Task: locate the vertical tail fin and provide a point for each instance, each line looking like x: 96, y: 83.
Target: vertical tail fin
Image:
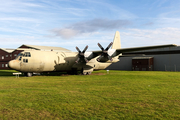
x: 117, y: 41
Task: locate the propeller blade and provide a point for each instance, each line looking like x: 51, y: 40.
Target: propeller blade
x: 86, y: 60
x: 78, y: 49
x: 85, y: 49
x: 100, y: 46
x: 109, y: 46
x: 110, y: 58
x: 99, y: 58
x: 77, y: 60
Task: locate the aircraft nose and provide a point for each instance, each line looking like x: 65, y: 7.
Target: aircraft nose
x: 14, y: 64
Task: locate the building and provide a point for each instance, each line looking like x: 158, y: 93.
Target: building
x: 164, y: 59
x: 6, y: 55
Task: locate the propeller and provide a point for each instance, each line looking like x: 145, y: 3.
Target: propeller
x: 104, y: 52
x: 81, y: 56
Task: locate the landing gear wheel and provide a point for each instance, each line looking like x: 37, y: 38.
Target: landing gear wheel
x: 84, y: 73
x: 88, y: 73
x: 25, y: 74
x: 28, y: 74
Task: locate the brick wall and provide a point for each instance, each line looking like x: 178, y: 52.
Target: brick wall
x: 5, y: 57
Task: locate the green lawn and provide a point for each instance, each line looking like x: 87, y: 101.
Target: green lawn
x: 117, y: 95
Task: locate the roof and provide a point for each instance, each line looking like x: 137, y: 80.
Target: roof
x: 142, y: 57
x: 161, y: 49
x: 7, y: 50
x: 24, y: 49
x: 47, y: 48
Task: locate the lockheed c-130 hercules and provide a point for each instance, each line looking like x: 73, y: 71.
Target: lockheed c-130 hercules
x: 37, y: 61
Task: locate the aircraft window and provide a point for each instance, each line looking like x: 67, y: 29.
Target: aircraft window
x: 20, y: 54
x: 20, y: 58
x: 25, y: 60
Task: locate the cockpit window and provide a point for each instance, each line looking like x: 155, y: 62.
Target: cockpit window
x: 27, y: 54
x: 20, y: 54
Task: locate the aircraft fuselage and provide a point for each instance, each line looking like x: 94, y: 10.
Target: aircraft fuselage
x: 47, y: 61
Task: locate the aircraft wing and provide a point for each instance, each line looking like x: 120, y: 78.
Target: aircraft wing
x: 115, y: 52
x: 122, y: 50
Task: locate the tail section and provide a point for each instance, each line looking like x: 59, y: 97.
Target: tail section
x: 117, y: 41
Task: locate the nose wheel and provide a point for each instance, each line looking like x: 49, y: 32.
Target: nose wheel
x: 85, y: 72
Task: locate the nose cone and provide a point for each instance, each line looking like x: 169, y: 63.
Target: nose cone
x: 14, y: 64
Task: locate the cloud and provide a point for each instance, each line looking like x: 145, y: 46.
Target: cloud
x: 148, y: 24
x: 15, y: 6
x: 168, y: 33
x: 90, y: 26
x: 18, y: 19
x: 65, y: 33
x: 158, y: 36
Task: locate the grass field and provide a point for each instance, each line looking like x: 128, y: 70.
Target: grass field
x: 117, y: 95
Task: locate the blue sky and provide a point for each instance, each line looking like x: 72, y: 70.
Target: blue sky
x: 71, y: 23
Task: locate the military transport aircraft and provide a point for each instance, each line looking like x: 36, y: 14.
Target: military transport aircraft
x: 37, y: 61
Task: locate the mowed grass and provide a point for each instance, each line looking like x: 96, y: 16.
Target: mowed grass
x: 117, y: 95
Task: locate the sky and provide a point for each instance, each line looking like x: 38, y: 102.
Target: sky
x: 71, y: 23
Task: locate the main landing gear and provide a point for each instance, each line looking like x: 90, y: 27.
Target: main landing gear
x: 29, y: 74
